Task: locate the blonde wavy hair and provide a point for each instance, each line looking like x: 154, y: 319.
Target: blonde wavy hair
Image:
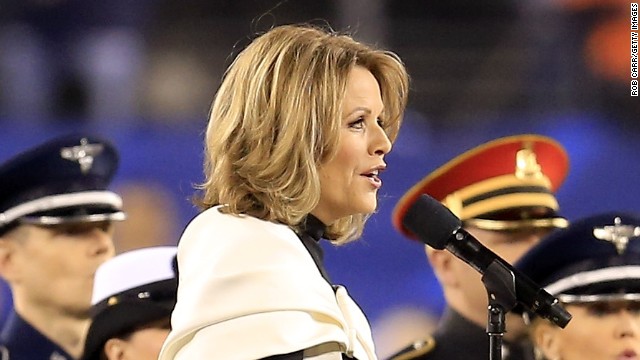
x: 275, y: 119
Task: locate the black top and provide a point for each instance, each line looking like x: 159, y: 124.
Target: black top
x: 312, y: 231
x: 458, y: 338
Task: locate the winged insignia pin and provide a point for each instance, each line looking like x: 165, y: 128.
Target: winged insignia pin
x: 83, y: 154
x: 617, y: 234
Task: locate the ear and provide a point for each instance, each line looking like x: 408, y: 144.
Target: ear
x: 7, y: 252
x: 114, y: 349
x: 442, y: 263
x: 545, y: 338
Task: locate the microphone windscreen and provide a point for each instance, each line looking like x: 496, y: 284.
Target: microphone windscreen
x: 431, y: 221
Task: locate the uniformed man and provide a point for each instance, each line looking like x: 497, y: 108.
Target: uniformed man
x: 503, y: 191
x: 593, y: 268
x: 133, y: 296
x: 56, y: 228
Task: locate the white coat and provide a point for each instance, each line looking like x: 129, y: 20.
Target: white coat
x: 249, y: 289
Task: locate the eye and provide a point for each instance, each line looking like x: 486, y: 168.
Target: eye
x: 381, y: 123
x: 72, y: 229
x: 357, y: 124
x: 634, y: 307
x: 80, y: 229
x: 600, y: 309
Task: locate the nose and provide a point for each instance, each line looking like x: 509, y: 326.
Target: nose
x: 380, y: 144
x: 628, y: 325
x: 533, y: 238
x: 530, y: 237
x: 102, y: 243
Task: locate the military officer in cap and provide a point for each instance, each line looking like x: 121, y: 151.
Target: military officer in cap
x: 133, y: 296
x: 503, y: 191
x: 593, y: 268
x: 56, y: 228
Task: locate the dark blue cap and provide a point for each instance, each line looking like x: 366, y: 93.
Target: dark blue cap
x: 61, y: 181
x: 596, y: 258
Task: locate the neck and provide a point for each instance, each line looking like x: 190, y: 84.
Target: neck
x: 465, y: 309
x: 515, y: 326
x: 325, y: 217
x: 66, y: 330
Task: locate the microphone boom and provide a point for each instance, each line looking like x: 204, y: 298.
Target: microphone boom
x: 439, y: 228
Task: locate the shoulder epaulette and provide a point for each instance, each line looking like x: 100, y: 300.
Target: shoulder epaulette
x: 418, y: 348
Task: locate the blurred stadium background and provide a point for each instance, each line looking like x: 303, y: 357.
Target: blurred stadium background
x: 142, y: 73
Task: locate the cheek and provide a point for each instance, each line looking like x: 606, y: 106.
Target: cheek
x: 511, y: 252
x: 149, y: 341
x: 35, y: 262
x: 583, y: 335
x: 469, y: 277
x: 583, y: 325
x: 346, y: 163
x: 340, y: 168
x: 350, y: 149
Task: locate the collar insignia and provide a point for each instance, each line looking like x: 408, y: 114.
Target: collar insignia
x: 617, y: 234
x: 57, y: 356
x: 83, y: 154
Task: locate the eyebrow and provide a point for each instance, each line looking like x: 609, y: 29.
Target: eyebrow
x: 365, y: 109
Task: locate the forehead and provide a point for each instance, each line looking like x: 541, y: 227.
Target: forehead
x: 606, y: 304
x: 79, y: 225
x: 362, y: 90
x: 37, y: 231
x: 361, y: 79
x: 506, y: 235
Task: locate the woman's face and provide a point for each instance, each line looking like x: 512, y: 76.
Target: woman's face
x: 143, y: 343
x: 604, y: 330
x: 350, y: 180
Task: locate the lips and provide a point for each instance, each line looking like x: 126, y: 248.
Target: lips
x: 627, y: 355
x: 374, y: 171
x: 375, y: 182
x: 373, y: 176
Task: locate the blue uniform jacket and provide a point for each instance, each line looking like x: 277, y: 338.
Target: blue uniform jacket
x: 20, y: 341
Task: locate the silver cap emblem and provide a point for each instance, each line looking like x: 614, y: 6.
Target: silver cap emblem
x: 83, y: 154
x: 617, y: 234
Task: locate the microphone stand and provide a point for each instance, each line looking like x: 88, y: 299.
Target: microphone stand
x: 501, y: 289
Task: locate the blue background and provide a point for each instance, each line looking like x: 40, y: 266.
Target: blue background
x: 384, y: 270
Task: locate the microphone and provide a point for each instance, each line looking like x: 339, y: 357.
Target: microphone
x: 435, y: 225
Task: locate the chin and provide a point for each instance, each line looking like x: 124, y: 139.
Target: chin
x: 366, y: 208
